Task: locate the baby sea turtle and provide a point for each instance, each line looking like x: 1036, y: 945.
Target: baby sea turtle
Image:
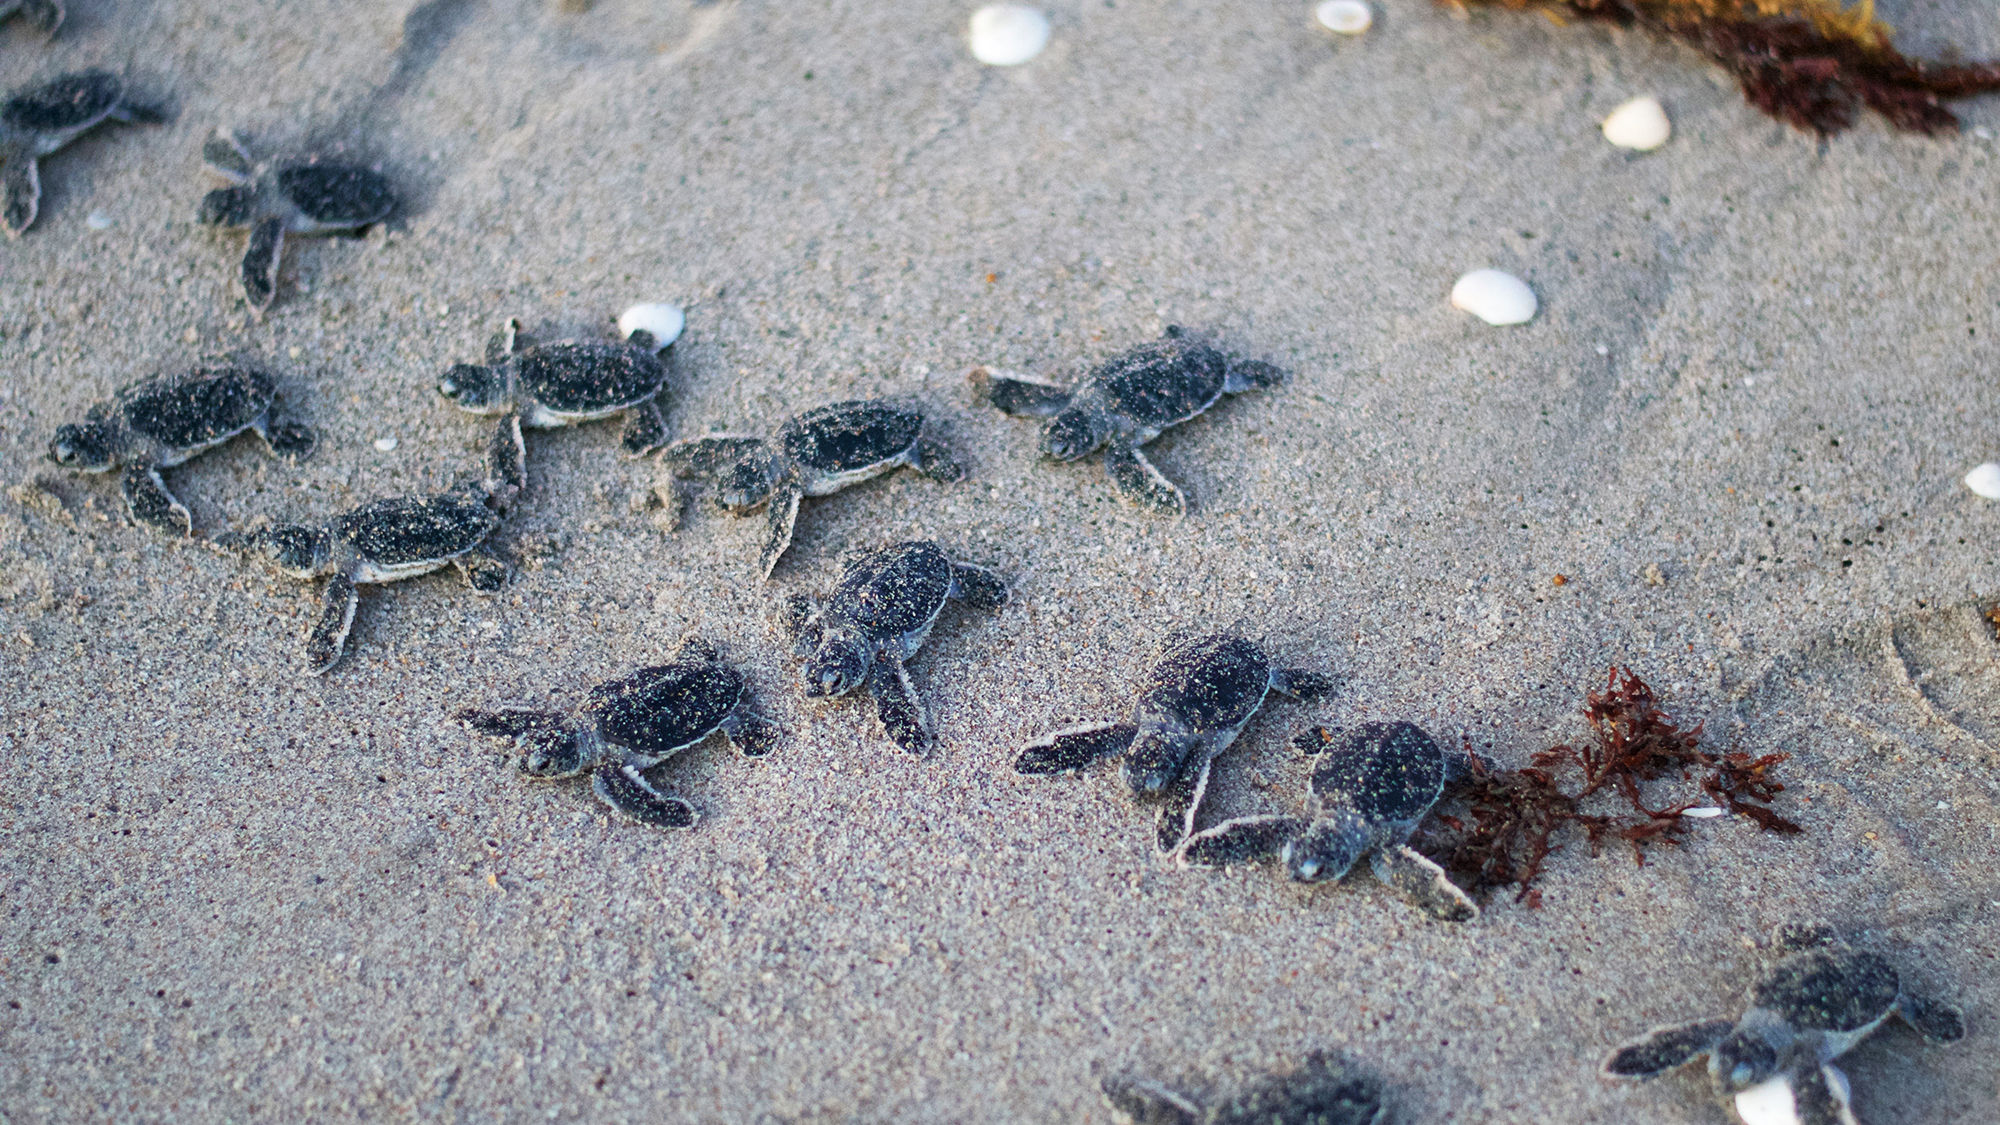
x: 1775, y: 1061
x: 629, y: 725
x: 1125, y: 403
x: 297, y: 197
x: 1323, y: 1091
x: 1375, y: 784
x: 390, y: 540
x: 1194, y: 703
x: 42, y: 119
x: 158, y: 423
x: 44, y: 14
x: 875, y: 620
x: 548, y: 385
x: 819, y: 452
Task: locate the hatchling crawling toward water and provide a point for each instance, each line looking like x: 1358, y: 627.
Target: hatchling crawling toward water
x: 390, y: 540
x: 1125, y: 402
x: 1321, y: 1092
x: 544, y: 386
x: 1774, y: 1063
x: 161, y: 422
x: 1195, y: 701
x: 39, y: 120
x: 307, y: 197
x: 46, y: 15
x: 627, y: 726
x: 878, y: 615
x: 816, y: 453
x: 1376, y: 782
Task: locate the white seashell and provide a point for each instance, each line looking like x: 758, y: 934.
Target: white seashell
x: 1008, y: 34
x: 1768, y: 1103
x: 663, y: 321
x: 385, y: 444
x: 97, y: 220
x: 1984, y: 481
x: 1703, y: 812
x: 1638, y: 124
x: 1348, y: 17
x: 1495, y: 297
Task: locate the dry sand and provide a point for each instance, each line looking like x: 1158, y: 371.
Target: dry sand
x: 230, y: 893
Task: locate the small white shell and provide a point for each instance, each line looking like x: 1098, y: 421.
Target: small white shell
x: 1495, y: 297
x: 1347, y: 17
x: 1703, y: 812
x: 1638, y: 124
x: 385, y: 445
x: 1984, y: 481
x: 663, y: 321
x: 1768, y: 1103
x: 1008, y: 34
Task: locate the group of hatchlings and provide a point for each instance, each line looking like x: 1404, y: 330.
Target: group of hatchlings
x: 1373, y: 783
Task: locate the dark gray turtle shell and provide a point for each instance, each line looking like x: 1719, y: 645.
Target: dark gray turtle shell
x: 895, y: 590
x: 1209, y: 683
x: 1163, y: 381
x: 337, y: 195
x: 587, y: 377
x: 1829, y: 990
x: 1384, y: 771
x: 417, y: 529
x: 846, y: 437
x: 72, y: 101
x: 662, y: 708
x: 199, y: 408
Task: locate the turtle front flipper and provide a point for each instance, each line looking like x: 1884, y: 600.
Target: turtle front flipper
x: 896, y: 702
x: 977, y: 586
x: 801, y: 623
x: 624, y: 788
x: 1665, y: 1049
x: 149, y: 502
x: 1015, y: 394
x: 781, y: 514
x: 1179, y: 807
x: 328, y: 638
x: 1140, y: 1101
x: 1073, y: 748
x: 260, y: 263
x: 1934, y: 1020
x: 503, y: 343
x: 23, y: 188
x: 1138, y: 481
x: 1808, y: 1093
x: 506, y: 462
x: 226, y: 157
x: 1246, y: 839
x: 935, y: 462
x: 1301, y: 684
x: 482, y: 570
x: 645, y: 429
x: 753, y: 734
x: 1424, y: 883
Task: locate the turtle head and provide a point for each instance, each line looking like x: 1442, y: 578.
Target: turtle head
x: 554, y: 752
x: 301, y: 552
x: 471, y: 387
x: 1328, y: 849
x: 91, y: 446
x: 1745, y: 1058
x: 226, y: 207
x: 1074, y: 433
x: 837, y: 666
x: 1153, y: 762
x: 748, y: 482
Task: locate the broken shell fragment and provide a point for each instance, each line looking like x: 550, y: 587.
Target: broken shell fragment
x: 663, y: 321
x: 1640, y: 124
x: 1345, y: 17
x: 1984, y: 481
x: 1495, y: 297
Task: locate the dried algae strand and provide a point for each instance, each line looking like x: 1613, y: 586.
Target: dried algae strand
x: 1809, y: 63
x: 1511, y: 820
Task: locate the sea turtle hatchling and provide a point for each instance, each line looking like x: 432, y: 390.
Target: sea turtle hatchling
x: 1774, y: 1063
x: 1375, y: 783
x: 627, y: 726
x: 1323, y: 1091
x: 310, y: 197
x: 161, y: 422
x: 44, y: 14
x: 1125, y: 402
x: 389, y: 540
x: 544, y: 386
x: 877, y: 617
x: 39, y: 120
x: 816, y: 453
x: 1195, y: 701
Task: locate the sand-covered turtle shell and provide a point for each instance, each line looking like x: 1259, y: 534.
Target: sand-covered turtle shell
x: 1384, y: 771
x: 1210, y: 683
x: 337, y: 195
x: 1829, y: 990
x: 588, y: 377
x: 662, y: 708
x: 196, y: 409
x: 1161, y: 382
x: 894, y: 591
x: 70, y: 102
x: 846, y: 437
x: 416, y: 529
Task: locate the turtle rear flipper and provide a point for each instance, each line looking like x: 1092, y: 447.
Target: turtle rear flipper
x: 1018, y: 395
x: 328, y: 638
x: 703, y: 458
x: 781, y: 515
x: 935, y: 462
x: 1934, y: 1020
x: 753, y: 734
x: 1246, y: 839
x: 22, y: 185
x: 1073, y: 748
x: 1139, y: 1102
x: 260, y: 263
x: 1179, y: 807
x: 149, y: 502
x: 1806, y: 1093
x: 896, y: 702
x: 292, y: 440
x: 482, y: 570
x: 508, y: 722
x: 1665, y: 1049
x: 625, y: 789
x: 46, y: 15
x: 1139, y: 482
x: 1252, y: 375
x: 1300, y: 683
x: 977, y: 586
x: 1422, y: 882
x: 645, y: 429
